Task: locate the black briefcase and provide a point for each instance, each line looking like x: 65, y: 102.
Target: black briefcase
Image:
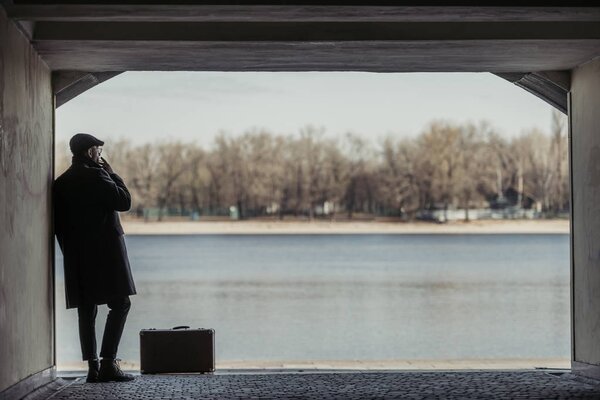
x: 180, y: 349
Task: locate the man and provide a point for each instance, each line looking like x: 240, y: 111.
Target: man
x: 86, y: 200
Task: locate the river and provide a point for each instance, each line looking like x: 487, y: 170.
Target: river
x: 347, y: 297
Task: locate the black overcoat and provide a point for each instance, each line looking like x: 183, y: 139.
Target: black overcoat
x: 89, y: 232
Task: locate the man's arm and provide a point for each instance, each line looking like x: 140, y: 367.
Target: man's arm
x: 125, y: 196
x: 113, y: 191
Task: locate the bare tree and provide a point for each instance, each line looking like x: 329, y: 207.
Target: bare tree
x: 446, y: 166
x: 360, y: 191
x: 440, y: 145
x: 142, y: 167
x: 398, y: 177
x: 559, y: 186
x: 172, y: 162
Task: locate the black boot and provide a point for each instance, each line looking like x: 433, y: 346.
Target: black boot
x: 93, y: 369
x: 111, y: 372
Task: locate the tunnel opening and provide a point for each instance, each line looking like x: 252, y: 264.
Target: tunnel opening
x: 396, y: 303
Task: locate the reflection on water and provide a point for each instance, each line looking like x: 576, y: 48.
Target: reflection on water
x: 349, y: 297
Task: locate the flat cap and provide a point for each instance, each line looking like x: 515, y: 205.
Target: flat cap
x: 83, y: 141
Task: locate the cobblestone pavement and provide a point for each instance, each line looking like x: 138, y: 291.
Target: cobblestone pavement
x: 342, y: 385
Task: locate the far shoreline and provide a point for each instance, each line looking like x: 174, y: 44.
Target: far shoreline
x: 316, y: 227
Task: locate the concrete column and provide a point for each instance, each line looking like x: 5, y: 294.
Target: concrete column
x: 26, y: 280
x: 585, y: 173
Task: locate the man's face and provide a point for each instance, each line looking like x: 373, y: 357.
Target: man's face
x: 94, y: 153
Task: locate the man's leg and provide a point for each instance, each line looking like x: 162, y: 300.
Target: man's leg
x: 87, y: 330
x: 115, y: 322
x: 87, y: 337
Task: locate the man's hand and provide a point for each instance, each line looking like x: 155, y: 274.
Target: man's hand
x: 106, y: 166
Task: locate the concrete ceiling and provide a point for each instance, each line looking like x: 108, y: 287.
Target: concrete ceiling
x: 297, y: 36
x: 87, y: 42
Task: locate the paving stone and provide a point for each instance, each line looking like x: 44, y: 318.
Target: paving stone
x: 340, y: 385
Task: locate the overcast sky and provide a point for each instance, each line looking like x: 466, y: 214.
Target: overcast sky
x: 194, y: 106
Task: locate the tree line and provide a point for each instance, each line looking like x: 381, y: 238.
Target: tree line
x: 447, y: 166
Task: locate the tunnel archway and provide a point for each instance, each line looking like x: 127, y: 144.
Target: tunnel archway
x: 67, y: 48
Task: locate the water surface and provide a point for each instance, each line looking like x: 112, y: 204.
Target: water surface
x: 348, y: 297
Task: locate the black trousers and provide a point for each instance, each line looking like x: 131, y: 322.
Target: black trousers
x: 115, y: 322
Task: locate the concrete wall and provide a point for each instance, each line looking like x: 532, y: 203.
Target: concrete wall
x: 585, y: 159
x: 26, y: 143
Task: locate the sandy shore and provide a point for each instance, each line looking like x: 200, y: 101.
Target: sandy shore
x: 135, y: 227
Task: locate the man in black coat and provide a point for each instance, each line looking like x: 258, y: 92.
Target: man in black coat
x: 86, y: 200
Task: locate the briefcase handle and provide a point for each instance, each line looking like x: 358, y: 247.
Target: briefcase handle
x: 181, y: 327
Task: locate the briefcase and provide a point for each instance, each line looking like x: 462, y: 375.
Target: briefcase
x: 177, y: 350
